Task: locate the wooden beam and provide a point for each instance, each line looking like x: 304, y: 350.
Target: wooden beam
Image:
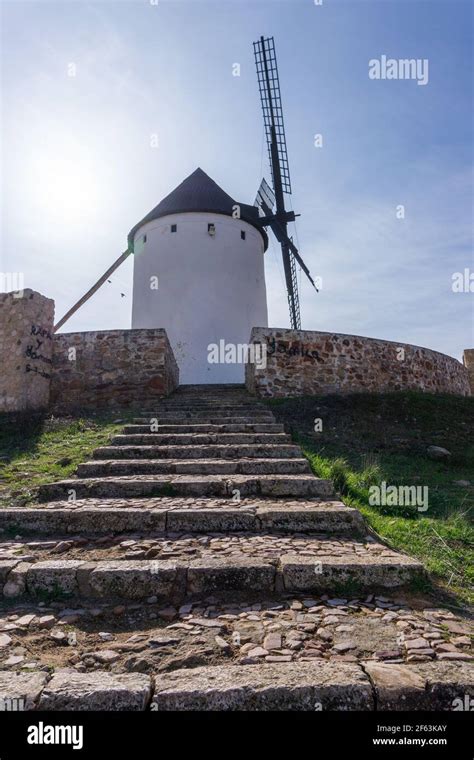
x: 92, y: 290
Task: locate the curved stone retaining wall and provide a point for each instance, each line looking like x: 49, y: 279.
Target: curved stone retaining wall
x: 303, y: 362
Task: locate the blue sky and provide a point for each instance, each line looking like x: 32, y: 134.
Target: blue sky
x: 79, y: 170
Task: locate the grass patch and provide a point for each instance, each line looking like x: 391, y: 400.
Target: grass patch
x: 37, y: 449
x: 367, y: 439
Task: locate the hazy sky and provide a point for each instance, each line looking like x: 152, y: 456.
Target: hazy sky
x: 86, y: 86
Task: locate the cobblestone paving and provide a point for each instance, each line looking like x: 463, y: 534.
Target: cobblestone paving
x: 182, y: 545
x: 151, y: 638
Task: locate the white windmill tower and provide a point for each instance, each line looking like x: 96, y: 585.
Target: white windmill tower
x: 199, y: 274
x: 198, y: 264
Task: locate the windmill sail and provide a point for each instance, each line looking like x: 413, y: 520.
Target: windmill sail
x: 268, y: 198
x: 265, y: 199
x: 269, y: 86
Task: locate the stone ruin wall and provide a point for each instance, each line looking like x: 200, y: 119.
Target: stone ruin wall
x: 303, y: 362
x: 26, y: 347
x: 111, y: 369
x: 468, y: 361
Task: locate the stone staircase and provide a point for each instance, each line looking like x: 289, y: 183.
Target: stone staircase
x: 196, y: 522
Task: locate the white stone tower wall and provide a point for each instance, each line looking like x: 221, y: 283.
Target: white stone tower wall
x: 210, y: 288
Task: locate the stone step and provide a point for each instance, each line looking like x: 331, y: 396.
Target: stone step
x: 99, y: 468
x: 249, y: 564
x: 241, y: 398
x: 212, y: 392
x: 226, y: 399
x: 180, y: 406
x: 298, y: 686
x: 216, y: 393
x: 259, y: 413
x: 225, y: 451
x: 216, y: 406
x: 186, y: 427
x: 205, y: 420
x: 187, y: 439
x: 253, y: 683
x: 236, y: 394
x: 317, y: 685
x: 192, y: 401
x: 71, y: 691
x: 188, y: 485
x: 95, y: 516
x: 290, y: 686
x: 204, y: 388
x: 212, y: 417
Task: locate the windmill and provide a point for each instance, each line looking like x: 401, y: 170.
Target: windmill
x: 271, y: 201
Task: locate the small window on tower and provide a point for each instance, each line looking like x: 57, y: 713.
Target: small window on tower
x: 242, y: 234
x: 174, y: 227
x: 144, y: 238
x: 211, y: 228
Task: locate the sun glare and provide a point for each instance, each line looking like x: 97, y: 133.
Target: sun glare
x: 65, y: 189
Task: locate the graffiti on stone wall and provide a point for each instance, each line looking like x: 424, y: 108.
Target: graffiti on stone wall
x: 293, y: 349
x: 34, y: 351
x: 38, y: 371
x: 37, y: 330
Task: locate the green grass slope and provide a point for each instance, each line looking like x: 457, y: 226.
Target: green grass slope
x: 367, y: 438
x: 36, y: 449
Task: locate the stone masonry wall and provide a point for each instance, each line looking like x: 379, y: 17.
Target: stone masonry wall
x: 468, y: 360
x: 111, y: 369
x: 26, y: 345
x: 302, y: 362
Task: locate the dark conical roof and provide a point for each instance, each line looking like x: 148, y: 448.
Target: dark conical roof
x: 199, y: 192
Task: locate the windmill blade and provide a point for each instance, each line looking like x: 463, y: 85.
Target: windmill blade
x: 278, y: 219
x: 300, y: 261
x: 265, y: 198
x: 282, y: 237
x: 303, y: 266
x: 270, y: 96
x: 291, y: 286
x: 92, y: 290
